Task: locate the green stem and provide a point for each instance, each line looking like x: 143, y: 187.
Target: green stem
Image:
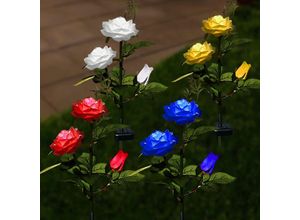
x: 181, y: 204
x: 181, y: 159
x: 91, y: 155
x: 219, y: 58
x: 121, y: 81
x: 181, y: 199
x: 121, y: 103
x: 219, y: 98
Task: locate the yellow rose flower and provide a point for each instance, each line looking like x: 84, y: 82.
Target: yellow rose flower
x: 199, y: 53
x: 217, y: 25
x: 243, y: 70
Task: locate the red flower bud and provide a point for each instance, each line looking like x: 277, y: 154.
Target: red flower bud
x: 66, y: 142
x: 118, y: 161
x: 89, y: 109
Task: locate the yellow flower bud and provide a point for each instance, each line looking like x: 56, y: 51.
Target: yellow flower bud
x: 217, y: 25
x: 199, y: 53
x: 243, y: 70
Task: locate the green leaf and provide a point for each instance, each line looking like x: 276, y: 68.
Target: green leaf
x: 140, y: 44
x: 115, y: 94
x: 85, y: 185
x: 165, y: 172
x: 157, y: 160
x: 209, y: 187
x: 99, y: 71
x: 213, y: 68
x: 175, y: 186
x: 241, y: 41
x: 114, y: 74
x: 131, y: 176
x: 85, y: 79
x: 99, y: 168
x: 49, y: 168
x: 193, y: 133
x: 230, y: 9
x: 158, y: 163
x: 202, y: 130
x: 101, y: 132
x: 174, y: 162
x: 126, y: 90
x: 212, y: 77
x: 74, y: 170
x: 206, y: 177
x: 183, y: 180
x: 227, y: 77
x: 214, y: 91
x: 115, y: 176
x: 252, y: 83
x: 190, y: 170
x: 128, y: 80
x: 155, y: 87
x: 221, y: 178
x: 241, y: 83
x: 182, y: 77
x: 129, y: 48
x: 83, y: 169
x: 66, y: 158
x: 199, y: 68
x: 84, y: 159
x: 226, y: 87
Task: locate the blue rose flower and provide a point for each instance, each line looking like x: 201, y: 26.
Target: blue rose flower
x: 182, y: 111
x: 158, y: 143
x: 209, y: 162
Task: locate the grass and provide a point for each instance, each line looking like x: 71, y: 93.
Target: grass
x: 239, y: 154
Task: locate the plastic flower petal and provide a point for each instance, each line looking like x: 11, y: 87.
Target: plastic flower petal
x: 100, y: 58
x: 209, y: 162
x: 119, y: 29
x: 243, y: 70
x: 66, y: 142
x: 182, y: 112
x: 118, y: 161
x: 217, y: 25
x: 89, y: 109
x: 158, y: 143
x: 144, y: 75
x: 199, y: 53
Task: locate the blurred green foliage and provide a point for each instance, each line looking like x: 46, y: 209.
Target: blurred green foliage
x: 239, y: 154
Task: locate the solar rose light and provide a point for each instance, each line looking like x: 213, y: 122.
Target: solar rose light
x: 115, y: 83
x: 91, y: 176
x: 112, y: 83
x: 167, y: 151
x: 208, y: 72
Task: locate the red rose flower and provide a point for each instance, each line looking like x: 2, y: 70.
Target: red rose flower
x: 118, y: 161
x: 89, y: 109
x: 66, y: 142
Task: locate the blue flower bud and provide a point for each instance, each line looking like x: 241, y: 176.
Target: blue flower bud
x: 182, y: 112
x: 209, y: 162
x: 158, y: 143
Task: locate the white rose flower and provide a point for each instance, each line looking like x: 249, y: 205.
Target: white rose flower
x: 100, y: 58
x: 119, y: 29
x: 144, y: 75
